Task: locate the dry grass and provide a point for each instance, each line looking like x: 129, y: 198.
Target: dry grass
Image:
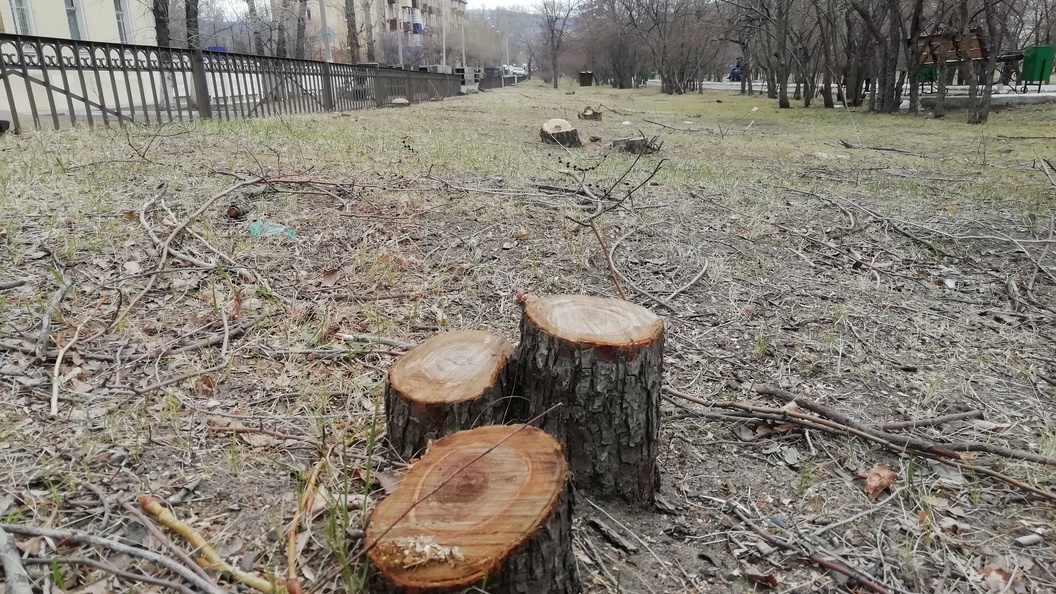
x: 846, y: 274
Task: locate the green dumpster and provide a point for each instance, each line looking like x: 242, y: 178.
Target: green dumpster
x: 1037, y: 64
x: 928, y: 74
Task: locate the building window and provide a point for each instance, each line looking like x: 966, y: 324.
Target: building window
x: 122, y: 21
x: 73, y: 19
x: 23, y: 22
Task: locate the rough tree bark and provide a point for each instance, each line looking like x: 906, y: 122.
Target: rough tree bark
x: 190, y: 12
x: 161, y: 22
x: 601, y: 360
x: 368, y: 26
x: 451, y: 382
x: 352, y: 36
x: 491, y: 507
x: 302, y: 14
x: 254, y: 23
x: 558, y: 131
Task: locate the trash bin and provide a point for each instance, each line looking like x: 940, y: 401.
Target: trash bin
x: 1037, y: 63
x: 586, y: 79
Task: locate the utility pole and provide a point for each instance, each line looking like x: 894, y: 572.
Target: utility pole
x: 399, y: 30
x: 463, y: 25
x: 327, y: 33
x: 443, y: 37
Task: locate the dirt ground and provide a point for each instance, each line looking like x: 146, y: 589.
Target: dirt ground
x: 883, y: 268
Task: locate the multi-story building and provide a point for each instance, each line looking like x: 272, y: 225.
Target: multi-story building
x: 118, y: 21
x: 416, y: 21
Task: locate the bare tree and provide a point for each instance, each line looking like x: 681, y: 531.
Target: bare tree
x: 190, y: 8
x: 161, y: 22
x: 301, y: 39
x: 554, y: 18
x: 368, y: 25
x: 351, y: 31
x: 254, y: 25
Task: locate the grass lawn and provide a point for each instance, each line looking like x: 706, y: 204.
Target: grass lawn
x: 889, y: 268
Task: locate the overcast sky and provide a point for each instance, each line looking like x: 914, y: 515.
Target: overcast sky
x: 474, y: 4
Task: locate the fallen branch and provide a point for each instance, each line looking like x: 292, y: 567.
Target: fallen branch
x: 11, y: 284
x: 883, y: 149
x: 812, y: 422
x: 929, y: 422
x: 860, y: 577
x: 372, y: 339
x: 940, y: 449
x: 608, y: 260
x: 15, y: 574
x: 58, y: 363
x: 268, y: 432
x: 53, y: 304
x: 125, y: 575
x: 153, y: 529
x: 113, y: 545
x: 214, y: 562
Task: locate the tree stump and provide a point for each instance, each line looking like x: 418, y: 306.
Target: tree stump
x: 451, y: 382
x: 488, y: 507
x: 602, y: 360
x: 589, y: 113
x: 638, y: 145
x: 558, y: 131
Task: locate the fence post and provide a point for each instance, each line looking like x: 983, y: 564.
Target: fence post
x: 410, y: 86
x: 201, y: 88
x: 328, y: 88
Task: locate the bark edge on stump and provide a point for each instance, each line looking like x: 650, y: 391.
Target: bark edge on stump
x: 558, y: 131
x: 602, y: 360
x: 502, y: 520
x: 450, y: 382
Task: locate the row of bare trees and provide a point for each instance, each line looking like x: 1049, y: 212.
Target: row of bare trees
x: 848, y: 52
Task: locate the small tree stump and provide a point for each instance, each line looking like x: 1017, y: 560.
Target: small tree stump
x: 489, y: 507
x: 602, y: 359
x: 589, y: 113
x: 638, y: 145
x: 448, y: 383
x: 558, y: 131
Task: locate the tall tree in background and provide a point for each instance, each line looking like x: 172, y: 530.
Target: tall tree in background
x: 161, y: 22
x: 301, y: 39
x: 190, y: 11
x: 554, y: 23
x: 368, y: 26
x: 254, y: 25
x: 352, y: 30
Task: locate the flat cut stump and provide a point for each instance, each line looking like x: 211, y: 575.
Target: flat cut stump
x: 450, y: 382
x: 488, y: 507
x: 602, y: 361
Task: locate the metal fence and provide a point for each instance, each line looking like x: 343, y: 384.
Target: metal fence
x: 498, y: 82
x: 68, y: 81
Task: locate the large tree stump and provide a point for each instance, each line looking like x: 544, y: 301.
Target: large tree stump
x: 602, y: 360
x: 558, y: 131
x: 451, y: 382
x: 488, y: 507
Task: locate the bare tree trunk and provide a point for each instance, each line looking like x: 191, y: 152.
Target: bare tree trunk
x: 368, y: 26
x: 254, y: 23
x: 966, y: 60
x: 912, y: 63
x: 194, y: 40
x: 302, y: 13
x: 942, y: 75
x: 161, y: 22
x: 284, y: 16
x: 352, y: 39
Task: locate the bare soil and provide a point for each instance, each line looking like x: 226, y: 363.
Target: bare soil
x: 231, y: 373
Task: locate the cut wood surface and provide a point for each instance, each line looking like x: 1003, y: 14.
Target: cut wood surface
x: 452, y: 381
x: 602, y: 360
x: 473, y: 513
x: 558, y: 131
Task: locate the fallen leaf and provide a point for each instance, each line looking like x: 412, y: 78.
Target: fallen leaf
x: 203, y: 385
x: 133, y: 267
x: 30, y: 547
x: 330, y: 277
x: 877, y: 480
x: 130, y: 215
x: 767, y: 579
x: 388, y: 481
x: 236, y: 306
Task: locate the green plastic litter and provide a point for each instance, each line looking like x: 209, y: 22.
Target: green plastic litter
x: 267, y: 228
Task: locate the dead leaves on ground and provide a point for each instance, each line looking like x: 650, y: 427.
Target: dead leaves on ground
x: 877, y: 480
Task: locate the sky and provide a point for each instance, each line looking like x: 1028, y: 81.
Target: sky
x: 475, y: 4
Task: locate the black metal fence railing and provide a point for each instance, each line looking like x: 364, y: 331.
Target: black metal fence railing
x: 63, y: 80
x: 497, y: 82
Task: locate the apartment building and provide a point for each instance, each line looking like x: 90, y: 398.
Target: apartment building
x: 117, y: 21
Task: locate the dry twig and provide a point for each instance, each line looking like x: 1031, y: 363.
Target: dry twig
x: 15, y: 574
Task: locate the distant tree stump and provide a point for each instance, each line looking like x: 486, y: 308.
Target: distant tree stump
x: 500, y: 519
x: 589, y: 113
x: 446, y: 384
x: 558, y: 131
x: 639, y: 145
x: 602, y: 359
